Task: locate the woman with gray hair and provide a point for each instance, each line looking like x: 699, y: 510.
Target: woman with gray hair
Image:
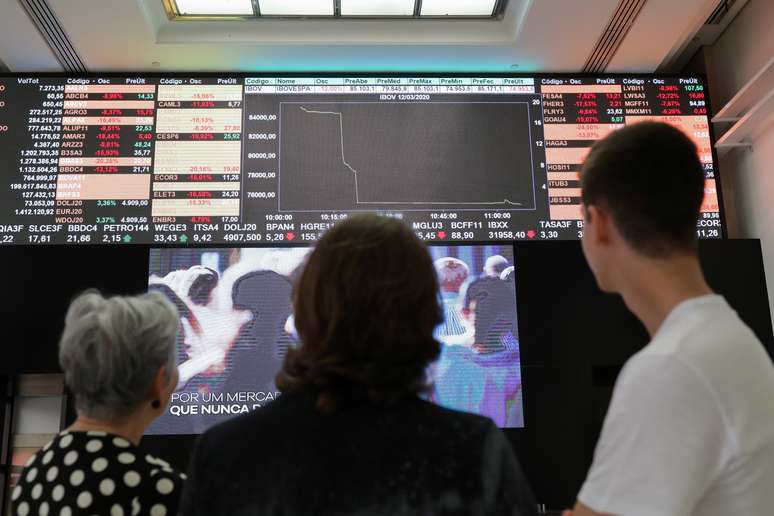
x: 118, y: 356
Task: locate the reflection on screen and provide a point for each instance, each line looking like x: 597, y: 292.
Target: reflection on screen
x: 237, y: 325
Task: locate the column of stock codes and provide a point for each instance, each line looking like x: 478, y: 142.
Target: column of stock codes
x: 239, y: 159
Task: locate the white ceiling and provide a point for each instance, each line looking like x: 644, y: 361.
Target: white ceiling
x: 534, y: 35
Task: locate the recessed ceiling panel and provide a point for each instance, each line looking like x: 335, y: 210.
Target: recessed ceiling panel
x: 214, y: 7
x: 377, y: 7
x: 296, y: 7
x: 102, y: 36
x: 458, y: 7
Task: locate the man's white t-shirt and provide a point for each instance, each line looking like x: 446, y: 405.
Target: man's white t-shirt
x: 690, y: 428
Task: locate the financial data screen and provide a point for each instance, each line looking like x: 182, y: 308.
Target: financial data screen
x: 238, y: 159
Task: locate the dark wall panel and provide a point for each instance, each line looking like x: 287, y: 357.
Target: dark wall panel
x: 574, y: 339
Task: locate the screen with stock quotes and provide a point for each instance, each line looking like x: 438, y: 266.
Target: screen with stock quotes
x: 238, y: 159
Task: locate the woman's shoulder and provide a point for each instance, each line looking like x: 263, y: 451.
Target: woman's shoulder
x: 152, y: 484
x: 99, y: 472
x: 163, y: 486
x: 455, y: 418
x: 159, y: 467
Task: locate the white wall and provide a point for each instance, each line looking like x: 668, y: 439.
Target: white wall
x: 747, y: 175
x: 745, y: 46
x: 37, y: 415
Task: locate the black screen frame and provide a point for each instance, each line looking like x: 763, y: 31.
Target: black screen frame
x: 265, y: 245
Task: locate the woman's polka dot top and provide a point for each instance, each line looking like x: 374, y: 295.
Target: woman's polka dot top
x: 95, y: 473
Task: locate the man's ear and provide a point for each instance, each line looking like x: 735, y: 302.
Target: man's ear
x: 599, y: 223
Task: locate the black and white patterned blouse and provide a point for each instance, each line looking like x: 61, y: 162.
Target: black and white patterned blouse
x: 95, y: 473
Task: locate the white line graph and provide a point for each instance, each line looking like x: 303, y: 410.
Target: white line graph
x: 340, y: 116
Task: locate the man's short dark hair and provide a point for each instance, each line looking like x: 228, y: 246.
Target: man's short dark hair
x: 649, y: 177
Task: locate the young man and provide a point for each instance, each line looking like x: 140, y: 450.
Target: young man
x: 690, y: 428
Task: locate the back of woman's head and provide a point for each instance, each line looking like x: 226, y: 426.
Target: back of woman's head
x: 366, y: 305
x: 112, y: 349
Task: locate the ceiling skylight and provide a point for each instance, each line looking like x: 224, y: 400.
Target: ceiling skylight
x: 458, y: 7
x: 407, y: 9
x: 377, y: 7
x: 296, y: 7
x: 214, y: 8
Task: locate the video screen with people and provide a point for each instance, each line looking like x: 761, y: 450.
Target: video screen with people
x: 479, y: 369
x: 236, y: 321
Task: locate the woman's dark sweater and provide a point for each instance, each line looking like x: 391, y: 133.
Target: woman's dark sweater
x: 408, y: 458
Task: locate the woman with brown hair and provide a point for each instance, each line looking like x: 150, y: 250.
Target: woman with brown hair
x: 350, y: 433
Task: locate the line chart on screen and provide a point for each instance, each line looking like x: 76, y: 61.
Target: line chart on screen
x: 366, y: 156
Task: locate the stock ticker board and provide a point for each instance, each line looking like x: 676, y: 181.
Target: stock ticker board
x: 236, y: 159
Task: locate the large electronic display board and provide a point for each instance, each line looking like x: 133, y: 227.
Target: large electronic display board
x: 235, y: 159
x: 237, y: 324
